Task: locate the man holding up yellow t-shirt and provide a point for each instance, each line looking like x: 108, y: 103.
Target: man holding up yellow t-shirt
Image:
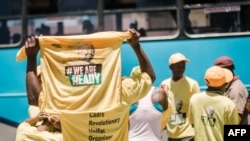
x: 104, y: 113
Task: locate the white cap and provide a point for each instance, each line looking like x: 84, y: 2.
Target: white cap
x: 177, y: 57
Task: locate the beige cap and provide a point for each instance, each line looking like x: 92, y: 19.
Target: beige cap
x: 177, y: 57
x: 216, y: 76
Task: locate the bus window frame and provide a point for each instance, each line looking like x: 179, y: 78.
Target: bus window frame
x: 140, y: 10
x: 212, y: 35
x: 12, y: 44
x: 100, y: 13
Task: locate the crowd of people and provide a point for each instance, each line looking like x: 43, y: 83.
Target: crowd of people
x: 177, y: 110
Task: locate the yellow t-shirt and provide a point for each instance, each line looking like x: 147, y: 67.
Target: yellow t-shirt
x: 33, y: 110
x: 209, y: 112
x: 178, y: 125
x: 26, y: 132
x: 166, y: 114
x: 82, y: 81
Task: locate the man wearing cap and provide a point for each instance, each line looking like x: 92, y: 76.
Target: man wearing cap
x: 181, y: 88
x: 210, y: 110
x: 235, y: 90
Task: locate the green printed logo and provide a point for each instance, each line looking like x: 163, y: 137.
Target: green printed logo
x: 80, y: 75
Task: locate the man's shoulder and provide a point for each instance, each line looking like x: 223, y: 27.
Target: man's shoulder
x: 191, y: 80
x: 238, y: 85
x: 238, y: 82
x: 197, y: 96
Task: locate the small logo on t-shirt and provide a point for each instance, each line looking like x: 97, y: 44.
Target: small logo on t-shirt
x: 178, y: 117
x: 209, y: 119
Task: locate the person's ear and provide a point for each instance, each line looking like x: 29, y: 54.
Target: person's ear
x: 170, y: 66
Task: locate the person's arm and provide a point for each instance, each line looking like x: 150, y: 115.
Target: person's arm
x: 145, y: 64
x: 33, y: 120
x: 163, y: 97
x: 248, y: 106
x: 33, y: 85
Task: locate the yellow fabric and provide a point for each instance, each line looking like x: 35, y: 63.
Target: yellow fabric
x: 166, y: 114
x: 100, y: 96
x: 101, y: 40
x: 33, y: 110
x: 209, y: 112
x: 26, y: 132
x: 180, y: 90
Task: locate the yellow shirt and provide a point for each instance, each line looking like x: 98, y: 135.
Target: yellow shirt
x: 82, y: 82
x: 209, y: 112
x: 178, y: 125
x: 26, y: 132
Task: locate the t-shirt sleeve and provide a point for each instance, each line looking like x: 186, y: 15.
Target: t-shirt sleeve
x: 33, y: 111
x: 136, y: 86
x: 233, y: 117
x: 190, y: 111
x: 166, y: 114
x: 237, y: 96
x: 196, y: 88
x: 20, y: 136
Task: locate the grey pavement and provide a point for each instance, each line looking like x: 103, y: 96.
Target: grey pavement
x: 7, y: 133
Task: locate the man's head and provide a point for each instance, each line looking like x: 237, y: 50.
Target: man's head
x: 177, y: 63
x: 224, y: 62
x: 176, y: 58
x: 216, y: 76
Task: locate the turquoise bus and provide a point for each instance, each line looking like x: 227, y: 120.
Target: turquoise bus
x: 201, y: 29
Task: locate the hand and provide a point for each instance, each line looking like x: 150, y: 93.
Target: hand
x: 42, y: 116
x: 32, y: 46
x: 134, y: 40
x: 33, y: 120
x: 55, y: 121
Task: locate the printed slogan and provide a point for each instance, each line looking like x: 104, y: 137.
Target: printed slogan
x: 84, y: 74
x: 98, y: 126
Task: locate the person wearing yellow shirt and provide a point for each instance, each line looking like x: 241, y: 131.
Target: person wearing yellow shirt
x: 210, y: 110
x: 180, y: 89
x: 40, y: 125
x: 31, y: 129
x: 114, y: 117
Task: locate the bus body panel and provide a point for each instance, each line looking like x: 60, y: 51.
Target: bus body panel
x: 201, y: 52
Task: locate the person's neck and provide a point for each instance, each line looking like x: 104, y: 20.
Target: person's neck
x: 215, y: 90
x: 176, y: 78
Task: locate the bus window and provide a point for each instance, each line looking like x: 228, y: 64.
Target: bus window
x: 220, y: 19
x: 63, y: 25
x: 154, y: 3
x: 148, y: 23
x: 10, y: 23
x: 76, y: 5
x: 152, y: 20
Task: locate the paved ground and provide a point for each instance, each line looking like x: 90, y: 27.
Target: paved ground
x: 7, y: 133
